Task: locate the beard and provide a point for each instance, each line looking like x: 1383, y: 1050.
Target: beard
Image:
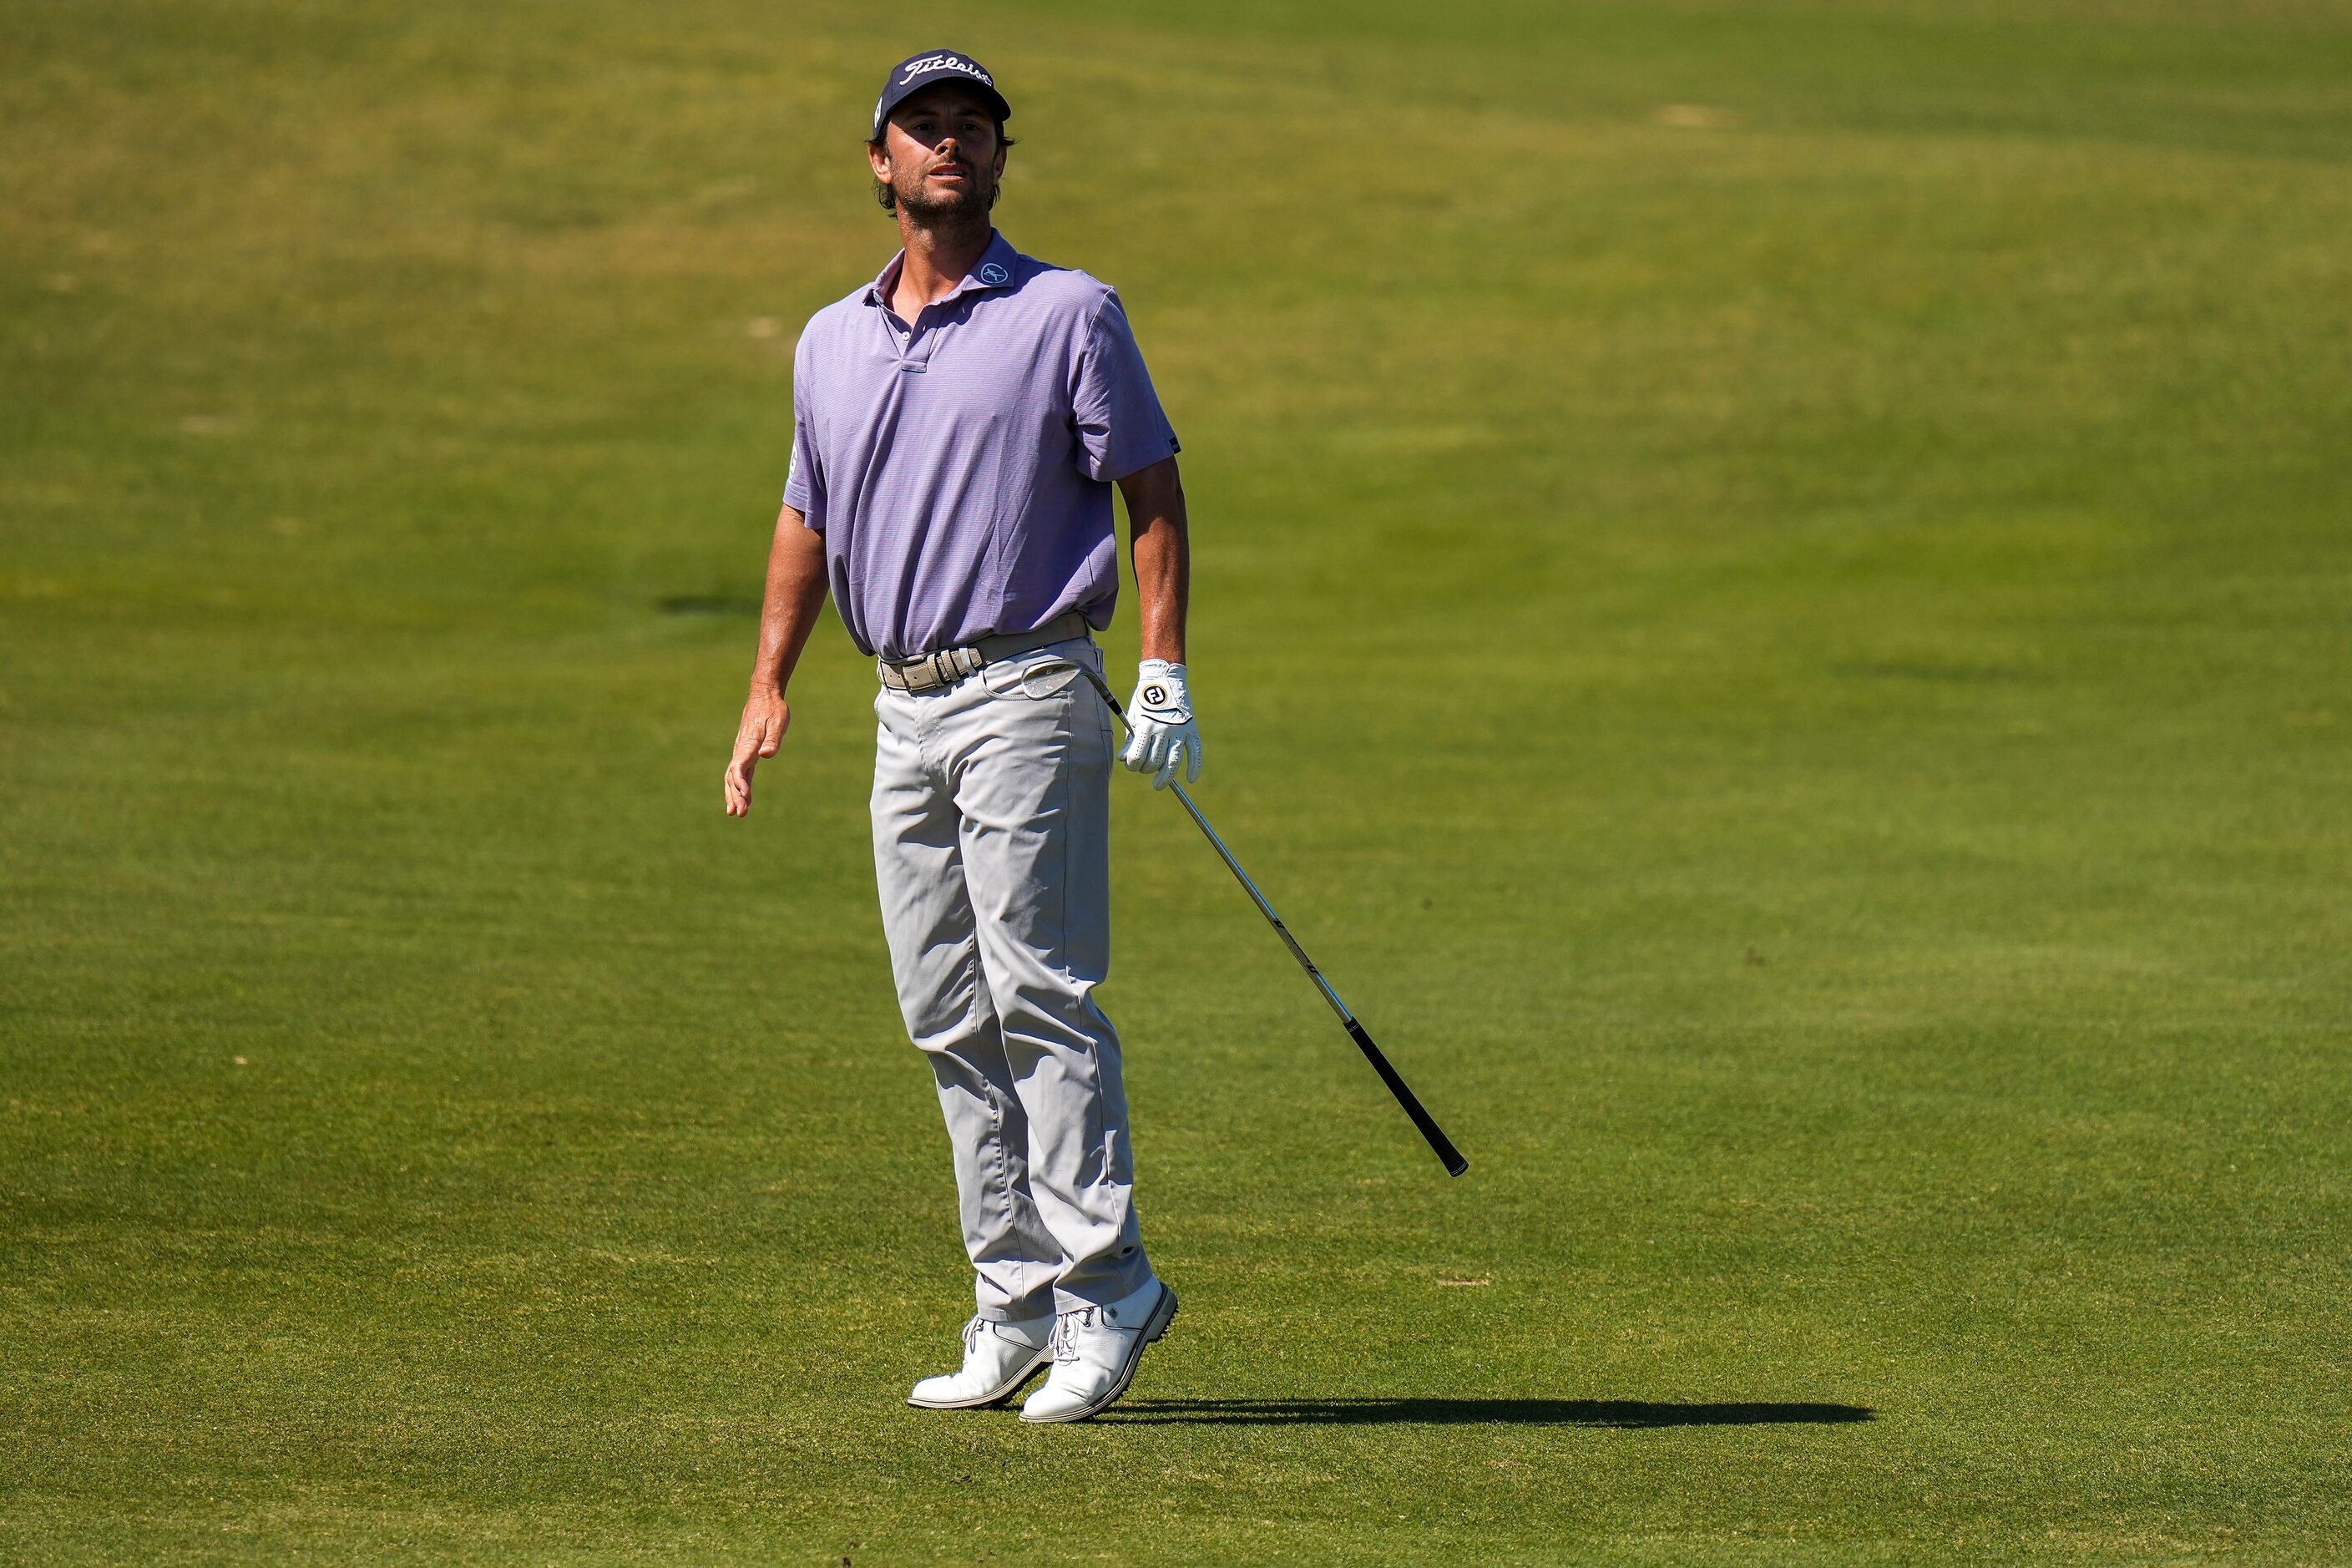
x: 918, y: 201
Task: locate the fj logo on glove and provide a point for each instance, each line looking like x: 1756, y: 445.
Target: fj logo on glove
x: 1163, y: 702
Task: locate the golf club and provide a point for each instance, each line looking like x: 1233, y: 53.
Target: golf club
x: 1438, y: 1142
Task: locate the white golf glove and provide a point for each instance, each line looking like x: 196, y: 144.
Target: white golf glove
x: 1160, y: 720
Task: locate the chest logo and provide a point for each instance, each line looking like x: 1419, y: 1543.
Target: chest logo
x: 993, y: 273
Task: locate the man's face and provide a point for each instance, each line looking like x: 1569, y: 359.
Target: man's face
x: 941, y: 156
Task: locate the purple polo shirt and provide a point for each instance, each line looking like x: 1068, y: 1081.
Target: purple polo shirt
x: 959, y: 466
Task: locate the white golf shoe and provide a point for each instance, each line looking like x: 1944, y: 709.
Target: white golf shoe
x: 1096, y: 1352
x: 998, y: 1358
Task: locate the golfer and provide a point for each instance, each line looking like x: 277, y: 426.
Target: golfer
x: 958, y: 425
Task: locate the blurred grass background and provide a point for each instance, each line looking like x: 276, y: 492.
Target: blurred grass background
x: 1772, y: 602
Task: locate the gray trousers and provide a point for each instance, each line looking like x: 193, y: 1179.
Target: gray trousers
x: 992, y: 852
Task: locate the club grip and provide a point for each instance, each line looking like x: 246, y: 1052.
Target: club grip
x: 1438, y: 1142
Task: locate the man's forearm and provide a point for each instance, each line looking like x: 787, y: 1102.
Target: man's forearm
x: 1160, y: 545
x: 795, y: 593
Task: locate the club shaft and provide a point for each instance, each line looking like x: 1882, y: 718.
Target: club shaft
x: 1439, y: 1142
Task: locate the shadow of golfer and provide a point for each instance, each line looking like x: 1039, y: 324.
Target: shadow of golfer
x: 1623, y: 1413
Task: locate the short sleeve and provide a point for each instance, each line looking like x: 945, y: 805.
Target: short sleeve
x: 1121, y: 427
x: 804, y: 478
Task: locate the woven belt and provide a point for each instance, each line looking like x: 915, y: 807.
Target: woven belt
x: 938, y: 671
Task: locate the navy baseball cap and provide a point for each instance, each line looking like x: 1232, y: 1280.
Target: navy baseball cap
x: 916, y: 72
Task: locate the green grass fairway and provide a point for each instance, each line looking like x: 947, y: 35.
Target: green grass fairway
x: 1773, y: 603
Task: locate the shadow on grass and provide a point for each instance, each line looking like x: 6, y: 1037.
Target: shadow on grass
x: 1617, y: 1413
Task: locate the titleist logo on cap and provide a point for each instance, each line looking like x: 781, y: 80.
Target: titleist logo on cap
x: 914, y: 68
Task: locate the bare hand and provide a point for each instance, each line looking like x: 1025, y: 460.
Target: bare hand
x: 766, y: 717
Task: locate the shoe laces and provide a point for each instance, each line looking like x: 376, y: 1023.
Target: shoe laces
x: 1064, y: 1342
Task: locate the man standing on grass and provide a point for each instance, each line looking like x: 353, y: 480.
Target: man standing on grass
x: 957, y: 427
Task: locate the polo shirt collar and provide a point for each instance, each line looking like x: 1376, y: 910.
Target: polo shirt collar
x: 996, y: 269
